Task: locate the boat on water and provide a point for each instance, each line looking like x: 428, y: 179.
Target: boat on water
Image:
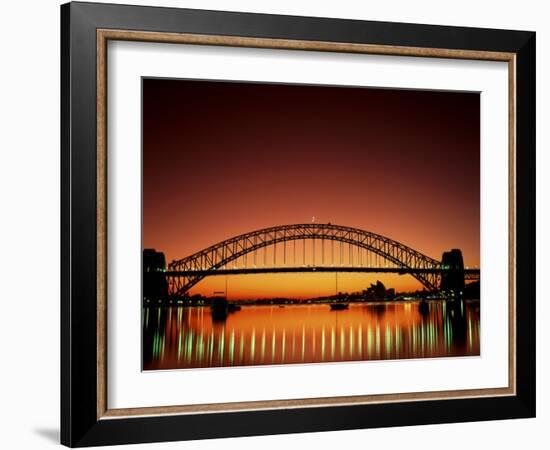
x: 220, y: 308
x: 338, y: 306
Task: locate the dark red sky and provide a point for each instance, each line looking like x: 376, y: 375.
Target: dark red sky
x: 221, y: 158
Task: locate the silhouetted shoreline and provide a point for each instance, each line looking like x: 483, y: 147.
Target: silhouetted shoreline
x: 208, y: 301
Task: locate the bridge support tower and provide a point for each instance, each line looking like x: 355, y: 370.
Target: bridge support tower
x: 155, y: 286
x: 452, y: 279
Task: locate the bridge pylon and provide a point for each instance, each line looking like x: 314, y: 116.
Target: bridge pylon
x: 452, y: 276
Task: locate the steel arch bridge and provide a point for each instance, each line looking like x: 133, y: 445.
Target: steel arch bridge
x: 183, y: 274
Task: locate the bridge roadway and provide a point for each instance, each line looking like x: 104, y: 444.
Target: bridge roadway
x: 469, y: 274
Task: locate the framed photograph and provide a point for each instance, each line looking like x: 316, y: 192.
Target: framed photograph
x: 276, y: 224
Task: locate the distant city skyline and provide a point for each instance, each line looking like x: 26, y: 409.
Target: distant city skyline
x: 225, y: 158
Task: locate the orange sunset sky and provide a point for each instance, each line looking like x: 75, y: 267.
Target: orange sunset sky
x: 225, y: 158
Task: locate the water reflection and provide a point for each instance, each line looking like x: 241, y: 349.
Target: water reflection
x: 185, y: 337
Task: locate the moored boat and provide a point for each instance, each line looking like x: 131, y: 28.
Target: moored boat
x: 231, y: 307
x: 338, y: 306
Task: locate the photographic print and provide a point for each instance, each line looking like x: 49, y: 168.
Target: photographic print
x: 299, y: 224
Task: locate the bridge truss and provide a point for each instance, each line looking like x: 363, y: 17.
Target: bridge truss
x: 183, y: 274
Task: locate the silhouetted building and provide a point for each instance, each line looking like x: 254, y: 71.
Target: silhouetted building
x: 155, y: 286
x: 452, y: 277
x: 378, y: 291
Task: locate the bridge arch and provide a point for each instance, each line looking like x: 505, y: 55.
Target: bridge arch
x: 219, y: 255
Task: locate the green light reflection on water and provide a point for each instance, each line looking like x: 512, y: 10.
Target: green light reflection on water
x: 189, y: 347
x: 211, y: 349
x: 200, y: 346
x: 180, y: 346
x: 231, y: 346
x: 253, y: 344
x: 241, y: 347
x: 360, y: 336
x: 262, y: 354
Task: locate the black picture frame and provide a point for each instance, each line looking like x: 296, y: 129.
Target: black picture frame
x: 80, y: 425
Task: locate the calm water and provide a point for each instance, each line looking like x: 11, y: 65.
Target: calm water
x: 185, y: 337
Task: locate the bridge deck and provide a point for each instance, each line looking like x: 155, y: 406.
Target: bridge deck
x: 468, y: 273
